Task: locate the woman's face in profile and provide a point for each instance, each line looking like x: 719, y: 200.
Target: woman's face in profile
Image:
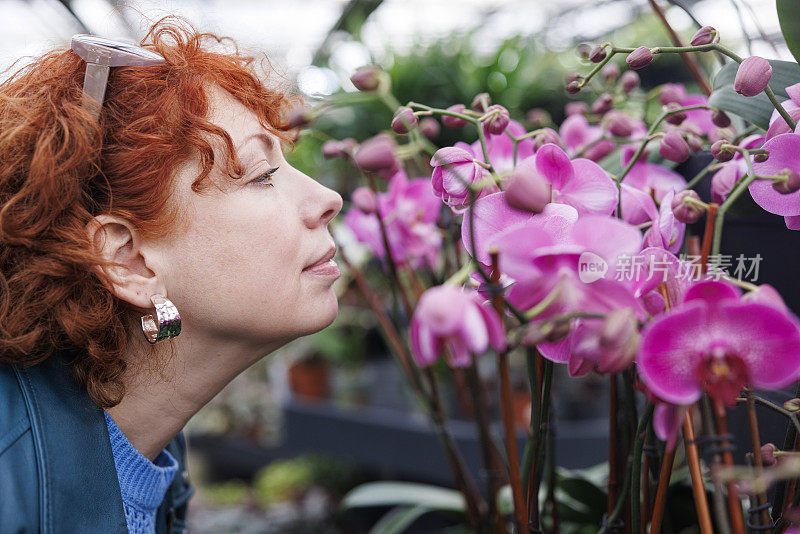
x: 236, y: 270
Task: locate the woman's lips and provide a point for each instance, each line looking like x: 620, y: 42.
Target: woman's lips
x: 327, y: 269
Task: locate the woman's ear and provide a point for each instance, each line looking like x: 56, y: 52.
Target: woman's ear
x: 116, y: 240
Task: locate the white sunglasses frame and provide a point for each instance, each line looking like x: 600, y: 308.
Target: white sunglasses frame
x: 100, y: 54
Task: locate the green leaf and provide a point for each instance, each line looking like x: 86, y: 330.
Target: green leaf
x: 789, y: 17
x: 398, y: 520
x: 404, y: 494
x: 755, y: 109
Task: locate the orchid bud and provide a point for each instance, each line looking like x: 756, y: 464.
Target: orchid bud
x: 704, y: 36
x: 597, y: 54
x: 610, y: 73
x: 599, y: 150
x: 603, y: 104
x: 429, y: 127
x: 674, y: 147
x: 332, y: 149
x: 538, y: 117
x: 404, y: 119
x: 687, y: 213
x: 672, y: 92
x: 768, y: 451
x: 790, y: 185
x: 630, y: 80
x: 365, y: 200
x: 752, y: 76
x: 299, y: 117
x: 675, y: 118
x: 583, y: 50
x: 367, y: 78
x: 639, y: 58
x: 576, y: 108
x: 695, y: 142
x: 481, y: 102
x: 546, y: 136
x: 376, y: 154
x: 619, y: 124
x: 720, y: 118
x: 497, y: 121
x: 573, y: 87
x: 527, y: 190
x: 760, y: 157
x: 454, y: 122
x: 722, y: 154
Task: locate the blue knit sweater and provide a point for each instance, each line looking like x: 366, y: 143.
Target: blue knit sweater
x: 143, y: 483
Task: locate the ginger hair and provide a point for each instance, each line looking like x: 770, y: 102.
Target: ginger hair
x: 61, y: 167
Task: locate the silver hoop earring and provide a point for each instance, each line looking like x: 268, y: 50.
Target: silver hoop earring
x: 169, y: 322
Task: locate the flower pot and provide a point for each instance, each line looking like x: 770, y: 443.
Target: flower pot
x: 310, y: 378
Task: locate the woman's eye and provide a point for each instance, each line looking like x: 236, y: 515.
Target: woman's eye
x: 266, y: 177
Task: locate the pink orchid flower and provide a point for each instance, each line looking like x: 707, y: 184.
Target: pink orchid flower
x: 715, y: 342
x: 579, y: 183
x: 493, y: 217
x: 783, y: 151
x: 576, y: 133
x: 666, y: 231
x: 731, y: 172
x: 456, y: 317
x: 546, y: 265
x: 454, y: 170
x: 649, y: 177
x: 777, y: 125
x: 410, y: 211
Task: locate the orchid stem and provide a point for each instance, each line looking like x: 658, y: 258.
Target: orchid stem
x: 505, y: 405
x: 752, y: 419
x: 429, y: 400
x: 487, y: 444
x: 789, y: 442
x: 698, y: 487
x: 687, y: 58
x: 734, y: 505
x: 634, y: 459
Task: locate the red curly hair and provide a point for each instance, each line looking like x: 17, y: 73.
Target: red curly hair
x: 60, y: 168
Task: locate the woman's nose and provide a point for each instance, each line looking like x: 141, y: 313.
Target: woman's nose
x: 322, y: 206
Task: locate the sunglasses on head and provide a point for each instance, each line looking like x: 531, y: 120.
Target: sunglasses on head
x: 100, y: 54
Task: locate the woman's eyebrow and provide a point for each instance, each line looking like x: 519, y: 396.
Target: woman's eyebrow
x: 264, y: 138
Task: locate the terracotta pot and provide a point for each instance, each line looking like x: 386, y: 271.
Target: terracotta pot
x: 521, y: 403
x: 310, y: 378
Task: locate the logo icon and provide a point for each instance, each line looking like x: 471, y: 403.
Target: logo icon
x: 591, y: 267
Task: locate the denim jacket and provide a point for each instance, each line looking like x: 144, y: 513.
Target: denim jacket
x: 57, y: 472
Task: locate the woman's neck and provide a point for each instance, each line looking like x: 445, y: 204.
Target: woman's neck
x: 161, y: 397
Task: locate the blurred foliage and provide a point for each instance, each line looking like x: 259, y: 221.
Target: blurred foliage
x: 521, y: 74
x: 285, y: 480
x: 230, y: 493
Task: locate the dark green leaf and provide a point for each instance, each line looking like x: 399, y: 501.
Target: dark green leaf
x: 789, y: 16
x: 754, y: 109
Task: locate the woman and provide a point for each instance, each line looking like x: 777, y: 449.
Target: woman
x: 175, y: 203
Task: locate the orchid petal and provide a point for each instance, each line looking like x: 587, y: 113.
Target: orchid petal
x: 554, y: 164
x: 670, y: 349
